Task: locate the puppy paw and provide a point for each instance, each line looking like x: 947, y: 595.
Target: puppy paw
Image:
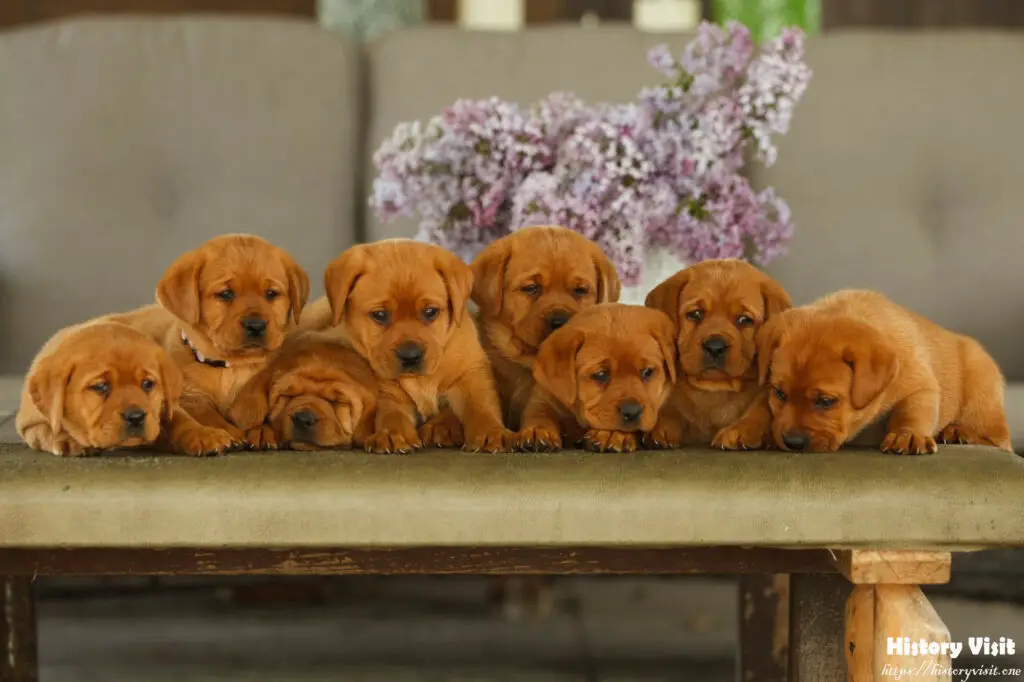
x: 496, y: 439
x: 538, y: 439
x: 261, y: 437
x: 65, y: 447
x: 205, y: 441
x: 443, y: 430
x: 393, y: 442
x: 664, y: 436
x: 610, y: 441
x: 740, y: 437
x: 904, y: 442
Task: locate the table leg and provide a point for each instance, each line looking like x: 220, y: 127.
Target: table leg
x: 816, y: 613
x: 17, y: 631
x: 764, y: 628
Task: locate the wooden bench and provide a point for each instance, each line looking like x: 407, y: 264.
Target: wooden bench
x: 833, y: 546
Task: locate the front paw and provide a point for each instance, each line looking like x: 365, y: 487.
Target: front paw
x: 442, y: 431
x: 538, y: 439
x: 261, y: 437
x: 398, y: 441
x: 740, y: 436
x: 205, y: 441
x: 495, y: 439
x: 906, y: 442
x: 65, y: 447
x: 664, y: 436
x: 610, y: 441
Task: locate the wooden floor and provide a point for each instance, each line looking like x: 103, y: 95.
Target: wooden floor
x: 422, y: 630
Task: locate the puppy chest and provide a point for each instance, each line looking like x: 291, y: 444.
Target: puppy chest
x: 425, y: 396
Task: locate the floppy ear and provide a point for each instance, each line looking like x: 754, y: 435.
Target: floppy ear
x: 458, y: 279
x: 489, y: 268
x: 178, y: 290
x: 251, y: 405
x: 768, y: 338
x: 776, y: 300
x: 173, y: 382
x: 298, y: 285
x: 46, y: 387
x: 665, y: 296
x: 339, y: 278
x: 665, y: 333
x: 608, y: 284
x: 874, y: 365
x: 555, y: 367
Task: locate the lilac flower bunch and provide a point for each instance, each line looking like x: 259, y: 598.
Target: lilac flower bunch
x: 663, y: 172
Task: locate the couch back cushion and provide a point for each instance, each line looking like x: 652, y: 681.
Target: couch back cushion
x: 904, y: 173
x: 126, y: 142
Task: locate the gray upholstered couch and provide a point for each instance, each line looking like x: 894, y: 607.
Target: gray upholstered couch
x: 124, y: 142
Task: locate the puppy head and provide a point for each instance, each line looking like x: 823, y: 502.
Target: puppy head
x: 717, y: 307
x: 824, y: 374
x: 399, y: 302
x: 314, y: 395
x: 612, y: 366
x: 107, y: 385
x: 533, y: 281
x: 237, y: 293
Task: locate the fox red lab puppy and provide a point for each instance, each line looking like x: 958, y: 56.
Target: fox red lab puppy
x: 97, y: 386
x: 841, y: 363
x: 526, y: 286
x: 402, y: 305
x: 607, y: 373
x: 717, y: 306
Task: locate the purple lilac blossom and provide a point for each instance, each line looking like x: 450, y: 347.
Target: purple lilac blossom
x: 663, y: 172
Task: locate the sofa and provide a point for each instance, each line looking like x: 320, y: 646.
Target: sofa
x: 131, y: 140
x: 127, y: 141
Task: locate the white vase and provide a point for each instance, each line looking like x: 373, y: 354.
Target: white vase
x: 659, y: 265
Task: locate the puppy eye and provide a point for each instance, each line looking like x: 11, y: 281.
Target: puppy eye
x: 271, y: 294
x: 147, y: 385
x: 695, y: 315
x: 646, y: 373
x: 580, y: 292
x: 824, y: 402
x: 744, y: 321
x: 779, y: 393
x: 226, y: 295
x: 431, y: 313
x: 531, y: 289
x: 102, y: 387
x: 601, y: 376
x: 381, y: 316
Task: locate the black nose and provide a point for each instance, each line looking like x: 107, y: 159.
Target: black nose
x: 254, y: 327
x: 794, y: 440
x: 410, y: 355
x: 715, y: 346
x: 134, y: 417
x: 630, y: 411
x: 304, y: 419
x: 557, y: 319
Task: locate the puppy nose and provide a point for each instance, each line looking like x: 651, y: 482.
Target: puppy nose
x: 254, y: 327
x: 557, y: 319
x: 304, y: 419
x: 794, y: 440
x: 630, y: 411
x: 409, y: 354
x: 134, y: 417
x: 715, y: 346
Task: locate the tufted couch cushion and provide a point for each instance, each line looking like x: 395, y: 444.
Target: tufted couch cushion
x: 126, y: 142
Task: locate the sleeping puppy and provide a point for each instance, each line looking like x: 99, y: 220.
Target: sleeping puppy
x: 401, y: 304
x: 839, y: 364
x: 97, y: 386
x: 606, y: 373
x: 526, y: 286
x: 717, y: 307
x: 223, y: 309
x: 316, y: 393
